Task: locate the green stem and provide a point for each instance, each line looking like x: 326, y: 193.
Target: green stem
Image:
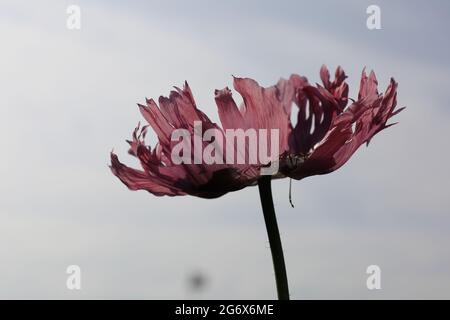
x: 265, y: 193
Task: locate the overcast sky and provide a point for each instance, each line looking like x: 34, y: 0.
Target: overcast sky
x: 68, y: 97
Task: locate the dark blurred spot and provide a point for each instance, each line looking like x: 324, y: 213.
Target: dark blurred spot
x: 197, y: 281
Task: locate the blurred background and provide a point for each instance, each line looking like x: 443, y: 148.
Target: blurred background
x: 68, y: 97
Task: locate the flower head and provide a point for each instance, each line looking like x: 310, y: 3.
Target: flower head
x: 325, y: 136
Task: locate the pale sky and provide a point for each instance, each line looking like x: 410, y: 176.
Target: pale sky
x: 68, y: 97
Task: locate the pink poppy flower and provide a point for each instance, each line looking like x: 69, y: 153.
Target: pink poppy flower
x: 325, y: 136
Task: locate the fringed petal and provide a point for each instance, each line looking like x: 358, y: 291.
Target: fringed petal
x: 347, y: 131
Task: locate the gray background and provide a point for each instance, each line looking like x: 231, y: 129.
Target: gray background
x: 68, y: 97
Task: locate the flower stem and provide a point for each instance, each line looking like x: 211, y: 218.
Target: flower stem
x: 265, y: 193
